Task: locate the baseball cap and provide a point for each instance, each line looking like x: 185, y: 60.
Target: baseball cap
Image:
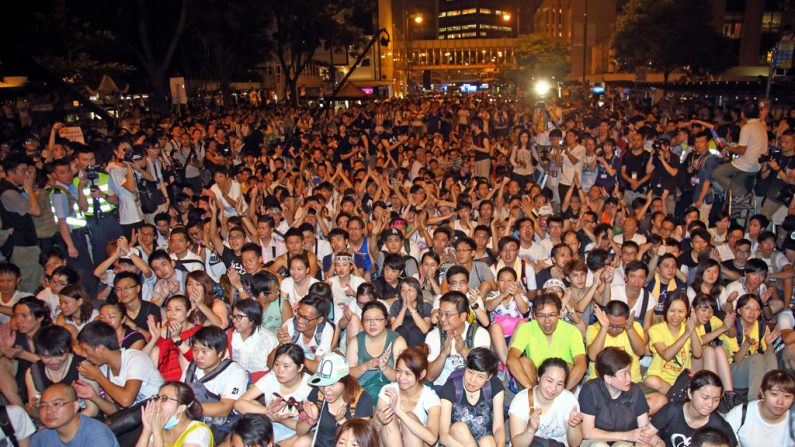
x: 333, y: 367
x: 394, y: 232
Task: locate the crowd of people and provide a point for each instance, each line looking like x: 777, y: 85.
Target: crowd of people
x: 468, y: 271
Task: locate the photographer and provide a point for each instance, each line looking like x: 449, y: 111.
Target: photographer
x: 777, y: 176
x: 666, y: 170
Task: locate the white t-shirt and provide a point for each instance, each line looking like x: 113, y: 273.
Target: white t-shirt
x: 268, y: 384
x: 636, y: 238
x: 287, y: 287
x: 569, y: 168
x: 312, y: 349
x: 754, y: 137
x: 553, y: 421
x: 129, y: 210
x: 231, y: 383
x: 755, y: 431
x: 620, y: 293
x: 136, y: 365
x: 340, y: 298
x: 191, y: 261
x: 739, y: 287
x: 428, y: 399
x: 234, y: 194
x: 775, y: 262
x: 52, y: 301
x: 252, y: 354
x: 20, y: 421
x: 454, y: 360
x: 535, y: 252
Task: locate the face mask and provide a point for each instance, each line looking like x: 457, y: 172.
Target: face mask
x: 171, y: 423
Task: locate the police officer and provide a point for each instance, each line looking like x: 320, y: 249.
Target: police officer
x: 69, y: 205
x: 102, y: 218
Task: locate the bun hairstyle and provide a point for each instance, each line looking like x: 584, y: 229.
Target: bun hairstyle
x: 185, y: 396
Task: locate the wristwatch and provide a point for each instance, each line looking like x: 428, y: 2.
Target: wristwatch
x: 178, y: 343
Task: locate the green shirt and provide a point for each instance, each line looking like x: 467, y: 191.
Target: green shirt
x: 566, y: 342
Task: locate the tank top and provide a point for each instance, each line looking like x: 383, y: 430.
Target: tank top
x: 373, y: 381
x: 193, y: 426
x: 41, y: 381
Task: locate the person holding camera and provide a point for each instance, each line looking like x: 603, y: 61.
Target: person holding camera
x: 778, y: 174
x: 664, y: 175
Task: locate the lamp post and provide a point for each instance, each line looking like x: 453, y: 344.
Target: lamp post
x: 417, y: 19
x: 584, y: 41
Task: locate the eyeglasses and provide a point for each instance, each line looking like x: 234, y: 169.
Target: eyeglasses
x: 304, y: 318
x: 744, y: 252
x: 55, y: 405
x: 163, y: 398
x: 447, y: 315
x: 546, y: 316
x: 124, y: 288
x: 239, y: 317
x: 373, y: 320
x: 236, y: 236
x: 458, y: 283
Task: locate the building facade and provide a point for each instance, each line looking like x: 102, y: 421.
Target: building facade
x: 476, y: 19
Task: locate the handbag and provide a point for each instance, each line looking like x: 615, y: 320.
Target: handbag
x: 538, y: 441
x: 678, y: 391
x: 126, y: 419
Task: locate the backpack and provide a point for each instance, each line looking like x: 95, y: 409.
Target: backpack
x: 760, y: 325
x: 469, y: 337
x: 458, y: 380
x: 318, y: 331
x: 204, y: 395
x: 149, y: 194
x: 8, y: 428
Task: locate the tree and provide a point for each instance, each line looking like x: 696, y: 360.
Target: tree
x: 59, y: 38
x: 299, y: 27
x: 666, y: 35
x: 537, y: 55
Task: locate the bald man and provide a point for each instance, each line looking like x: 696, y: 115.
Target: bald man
x: 59, y: 411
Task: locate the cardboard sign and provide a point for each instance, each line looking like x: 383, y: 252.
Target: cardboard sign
x: 74, y: 133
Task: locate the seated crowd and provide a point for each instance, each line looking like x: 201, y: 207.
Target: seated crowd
x: 467, y: 273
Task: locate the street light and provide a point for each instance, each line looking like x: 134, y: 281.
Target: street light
x: 506, y: 17
x: 542, y: 87
x: 418, y: 19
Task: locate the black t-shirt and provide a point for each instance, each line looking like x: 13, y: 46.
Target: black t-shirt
x: 636, y: 167
x: 478, y: 140
x: 661, y: 178
x: 478, y: 417
x: 729, y: 265
x: 387, y: 291
x: 673, y: 429
x: 231, y: 260
x: 147, y: 309
x: 327, y: 426
x: 619, y: 414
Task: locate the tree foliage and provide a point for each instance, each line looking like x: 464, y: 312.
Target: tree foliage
x: 666, y: 35
x: 297, y: 28
x: 543, y: 56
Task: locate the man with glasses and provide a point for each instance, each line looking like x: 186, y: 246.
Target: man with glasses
x: 450, y: 343
x: 127, y: 286
x: 358, y: 242
x: 509, y: 250
x: 734, y: 269
x: 59, y: 411
x: 546, y: 337
x: 308, y: 329
x: 480, y: 275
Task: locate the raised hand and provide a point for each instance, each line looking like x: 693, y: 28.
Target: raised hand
x: 575, y: 417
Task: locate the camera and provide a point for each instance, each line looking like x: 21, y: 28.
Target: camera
x: 765, y: 158
x: 600, y: 153
x: 92, y: 172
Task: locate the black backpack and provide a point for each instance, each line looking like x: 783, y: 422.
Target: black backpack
x: 149, y: 194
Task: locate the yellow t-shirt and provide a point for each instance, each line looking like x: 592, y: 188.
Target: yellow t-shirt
x: 667, y: 370
x: 566, y: 342
x: 621, y: 342
x: 731, y: 345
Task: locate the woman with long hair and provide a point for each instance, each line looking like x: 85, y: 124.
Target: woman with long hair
x: 282, y: 390
x: 408, y: 411
x: 173, y: 418
x: 675, y: 423
x: 372, y: 353
x: 248, y: 340
x: 115, y: 315
x: 707, y: 281
x: 712, y: 332
x: 77, y: 309
x: 170, y: 348
x: 472, y: 404
x: 410, y: 315
x: 296, y: 286
x: 507, y: 306
x: 673, y: 342
x: 548, y: 411
x: 337, y: 397
x: 200, y: 289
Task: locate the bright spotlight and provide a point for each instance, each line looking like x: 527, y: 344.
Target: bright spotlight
x: 418, y: 19
x: 542, y: 87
